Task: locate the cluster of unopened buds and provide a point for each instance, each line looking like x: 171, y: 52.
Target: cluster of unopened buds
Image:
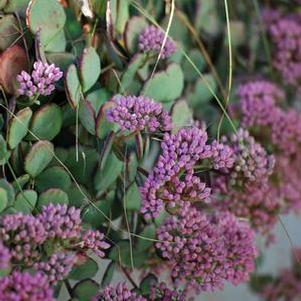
x: 23, y: 236
x: 41, y: 81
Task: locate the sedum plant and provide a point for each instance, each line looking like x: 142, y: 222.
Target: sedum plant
x: 127, y: 150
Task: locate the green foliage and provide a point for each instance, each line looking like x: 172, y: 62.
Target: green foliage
x: 84, y: 270
x: 48, y: 18
x: 39, y: 156
x: 8, y: 31
x: 46, y: 123
x: 53, y: 177
x: 73, y: 87
x: 3, y: 199
x: 85, y: 290
x: 166, y: 85
x: 89, y: 68
x: 8, y: 188
x: 18, y: 127
x: 25, y: 201
x: 54, y: 196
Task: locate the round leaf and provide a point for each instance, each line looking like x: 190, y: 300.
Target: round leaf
x: 18, y: 127
x: 3, y: 199
x: 72, y: 85
x: 39, y: 156
x: 54, y: 196
x: 86, y: 270
x: 89, y: 68
x: 47, y: 122
x: 10, y: 193
x: 165, y: 86
x: 53, y: 177
x: 47, y: 17
x: 85, y: 290
x: 26, y: 201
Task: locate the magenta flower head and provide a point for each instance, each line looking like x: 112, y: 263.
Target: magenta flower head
x: 139, y: 113
x: 5, y: 256
x: 25, y: 287
x: 286, y: 131
x: 160, y: 292
x: 61, y: 221
x: 286, y: 36
x: 194, y: 248
x: 240, y: 247
x: 165, y: 186
x: 22, y: 234
x: 258, y: 101
x: 94, y: 240
x: 222, y: 156
x: 41, y: 81
x: 203, y: 251
x: 57, y: 267
x: 120, y: 292
x: 151, y: 41
x: 252, y: 163
x: 257, y: 202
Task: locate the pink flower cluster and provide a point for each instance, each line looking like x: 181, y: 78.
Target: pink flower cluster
x: 139, y: 113
x: 257, y: 102
x: 282, y: 133
x: 165, y: 186
x: 285, y: 33
x: 23, y: 236
x: 41, y: 81
x: 203, y: 250
x: 251, y: 161
x: 256, y: 202
x: 120, y: 292
x: 5, y: 256
x: 151, y: 41
x: 24, y: 287
x: 57, y: 267
x: 281, y: 127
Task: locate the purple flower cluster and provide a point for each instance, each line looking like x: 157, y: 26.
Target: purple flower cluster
x: 259, y: 203
x: 252, y: 163
x: 25, y: 287
x: 286, y: 131
x: 257, y: 102
x: 199, y: 250
x: 120, y: 292
x: 22, y: 237
x: 286, y: 37
x: 22, y: 234
x: 239, y: 245
x: 41, y: 81
x: 57, y: 267
x: 139, y: 113
x: 180, y: 152
x: 151, y: 40
x: 160, y: 292
x: 259, y: 108
x: 61, y: 221
x: 5, y: 256
x: 222, y: 156
x: 94, y: 240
